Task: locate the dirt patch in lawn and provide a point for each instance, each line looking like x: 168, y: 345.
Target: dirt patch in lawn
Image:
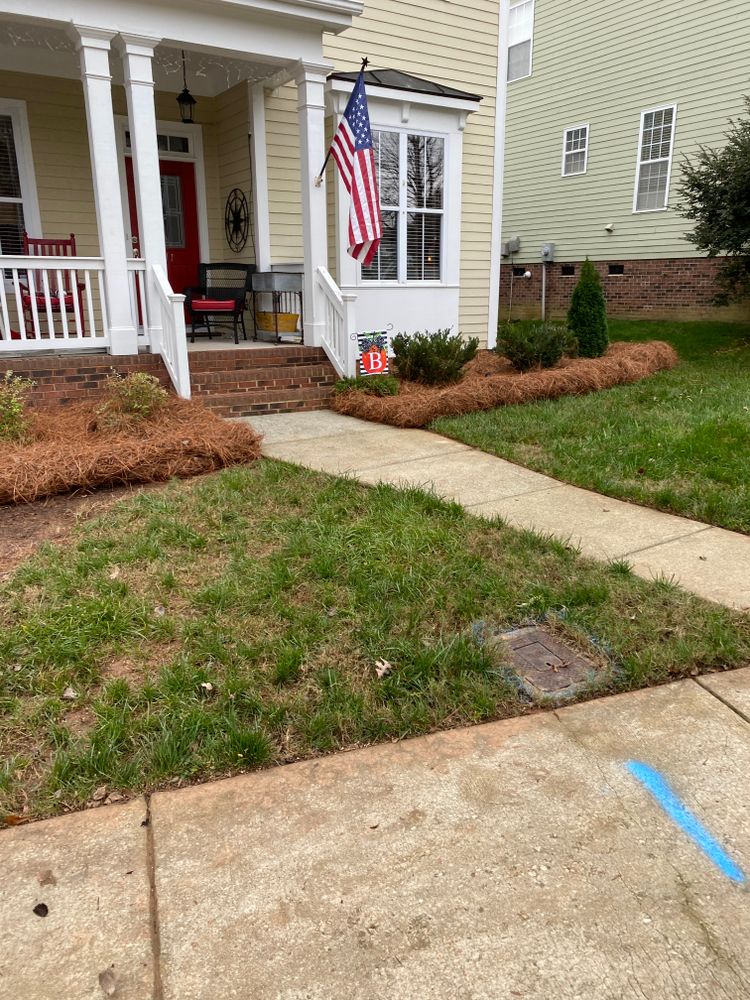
x: 24, y: 528
x: 490, y: 382
x: 67, y: 450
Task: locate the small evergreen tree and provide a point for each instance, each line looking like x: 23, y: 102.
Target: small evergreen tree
x: 587, y: 316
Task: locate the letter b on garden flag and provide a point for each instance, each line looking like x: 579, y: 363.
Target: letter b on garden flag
x: 373, y: 353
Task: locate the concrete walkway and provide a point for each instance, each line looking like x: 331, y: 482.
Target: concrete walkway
x: 520, y: 859
x: 710, y: 562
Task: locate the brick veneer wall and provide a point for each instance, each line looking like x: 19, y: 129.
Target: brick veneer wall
x: 680, y: 288
x: 279, y: 379
x: 72, y: 378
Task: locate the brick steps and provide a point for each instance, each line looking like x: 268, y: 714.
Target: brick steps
x: 273, y: 380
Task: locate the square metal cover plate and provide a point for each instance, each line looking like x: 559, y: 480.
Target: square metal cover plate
x: 547, y: 667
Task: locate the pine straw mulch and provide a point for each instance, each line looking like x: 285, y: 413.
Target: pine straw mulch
x: 66, y: 451
x: 490, y: 382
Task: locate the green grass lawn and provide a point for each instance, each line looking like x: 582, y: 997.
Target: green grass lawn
x: 679, y: 441
x: 233, y: 622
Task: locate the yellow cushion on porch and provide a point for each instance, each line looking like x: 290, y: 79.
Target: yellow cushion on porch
x: 287, y: 322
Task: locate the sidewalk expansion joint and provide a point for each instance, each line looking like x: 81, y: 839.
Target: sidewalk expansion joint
x: 153, y: 902
x: 666, y: 541
x: 724, y: 701
x: 513, y: 496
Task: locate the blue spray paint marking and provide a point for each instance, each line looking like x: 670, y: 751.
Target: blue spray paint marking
x: 654, y: 783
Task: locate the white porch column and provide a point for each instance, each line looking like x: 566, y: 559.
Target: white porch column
x: 137, y: 56
x: 311, y: 78
x: 93, y: 45
x: 257, y: 100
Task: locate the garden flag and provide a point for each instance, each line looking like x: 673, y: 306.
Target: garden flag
x: 373, y: 353
x: 352, y: 150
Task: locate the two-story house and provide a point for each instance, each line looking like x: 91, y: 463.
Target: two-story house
x: 603, y: 102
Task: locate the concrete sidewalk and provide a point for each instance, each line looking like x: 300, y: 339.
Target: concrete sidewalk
x: 710, y: 562
x: 520, y: 859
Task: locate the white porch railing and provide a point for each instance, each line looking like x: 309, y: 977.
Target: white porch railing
x: 173, y: 346
x: 52, y: 303
x: 138, y: 308
x: 338, y: 315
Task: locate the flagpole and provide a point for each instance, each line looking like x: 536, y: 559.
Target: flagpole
x: 319, y: 178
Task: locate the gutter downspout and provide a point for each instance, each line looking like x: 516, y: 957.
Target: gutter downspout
x: 501, y: 108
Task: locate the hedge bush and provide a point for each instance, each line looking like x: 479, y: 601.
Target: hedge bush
x: 534, y: 345
x: 433, y: 358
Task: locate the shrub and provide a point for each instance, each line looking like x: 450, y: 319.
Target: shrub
x: 433, y: 358
x: 13, y: 419
x: 130, y: 398
x: 715, y: 192
x: 587, y: 316
x: 534, y: 345
x: 375, y: 385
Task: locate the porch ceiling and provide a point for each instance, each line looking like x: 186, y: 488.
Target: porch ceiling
x: 50, y: 51
x: 275, y: 30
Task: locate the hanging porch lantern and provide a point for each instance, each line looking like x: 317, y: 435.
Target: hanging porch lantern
x: 186, y: 100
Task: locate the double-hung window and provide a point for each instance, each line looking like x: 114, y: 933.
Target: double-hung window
x: 411, y: 174
x: 655, y: 147
x: 12, y: 220
x: 575, y: 150
x: 19, y: 208
x: 520, y: 38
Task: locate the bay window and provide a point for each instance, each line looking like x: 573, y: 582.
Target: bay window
x: 411, y: 174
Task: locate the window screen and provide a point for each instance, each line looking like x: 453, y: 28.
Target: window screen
x: 655, y: 159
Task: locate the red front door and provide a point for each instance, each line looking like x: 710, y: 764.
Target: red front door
x: 180, y: 212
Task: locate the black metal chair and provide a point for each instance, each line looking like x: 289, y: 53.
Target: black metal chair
x: 219, y: 298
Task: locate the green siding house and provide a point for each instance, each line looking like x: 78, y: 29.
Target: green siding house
x: 604, y: 101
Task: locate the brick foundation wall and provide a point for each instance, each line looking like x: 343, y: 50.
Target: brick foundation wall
x: 680, y: 288
x: 72, y: 378
x: 279, y: 379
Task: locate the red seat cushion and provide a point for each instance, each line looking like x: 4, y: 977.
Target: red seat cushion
x: 213, y: 305
x: 15, y: 335
x: 54, y: 301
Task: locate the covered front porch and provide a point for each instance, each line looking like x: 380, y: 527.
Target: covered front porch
x: 129, y: 198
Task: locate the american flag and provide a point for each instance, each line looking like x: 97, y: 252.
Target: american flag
x: 352, y: 150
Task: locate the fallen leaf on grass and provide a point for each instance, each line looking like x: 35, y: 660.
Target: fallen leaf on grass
x: 114, y: 573
x: 383, y: 667
x: 69, y: 694
x: 207, y: 687
x: 160, y: 610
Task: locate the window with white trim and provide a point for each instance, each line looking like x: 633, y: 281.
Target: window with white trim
x: 411, y: 175
x: 575, y: 150
x: 520, y: 39
x: 655, y: 147
x: 12, y: 219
